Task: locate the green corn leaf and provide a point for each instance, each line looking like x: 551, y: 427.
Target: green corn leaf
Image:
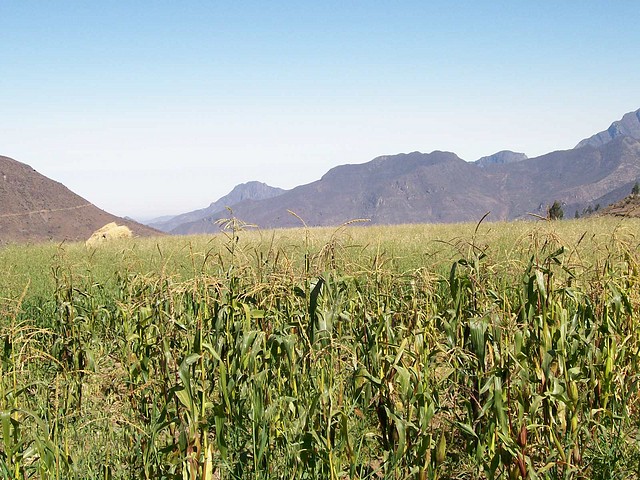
x: 468, y: 429
x: 478, y: 329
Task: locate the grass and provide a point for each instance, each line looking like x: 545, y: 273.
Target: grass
x: 499, y: 350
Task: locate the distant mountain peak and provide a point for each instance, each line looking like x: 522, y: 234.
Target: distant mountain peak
x: 252, y: 190
x: 501, y: 158
x: 628, y: 125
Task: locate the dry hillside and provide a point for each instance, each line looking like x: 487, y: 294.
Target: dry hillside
x: 627, y: 207
x: 36, y: 208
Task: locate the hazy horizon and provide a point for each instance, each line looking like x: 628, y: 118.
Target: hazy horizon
x: 152, y: 108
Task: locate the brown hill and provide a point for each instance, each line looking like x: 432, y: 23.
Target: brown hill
x: 36, y: 208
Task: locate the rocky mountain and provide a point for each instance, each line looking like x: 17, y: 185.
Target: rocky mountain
x: 629, y: 126
x: 441, y: 187
x: 403, y: 188
x: 243, y: 192
x: 500, y: 158
x: 36, y: 208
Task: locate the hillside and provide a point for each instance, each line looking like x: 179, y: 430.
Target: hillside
x: 436, y: 187
x: 577, y: 178
x: 36, y: 208
x: 628, y: 207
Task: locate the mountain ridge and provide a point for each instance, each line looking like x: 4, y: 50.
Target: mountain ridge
x: 441, y: 187
x: 628, y: 125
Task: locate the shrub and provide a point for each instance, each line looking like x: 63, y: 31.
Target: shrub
x: 555, y: 211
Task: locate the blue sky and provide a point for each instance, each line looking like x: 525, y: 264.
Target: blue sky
x: 151, y: 108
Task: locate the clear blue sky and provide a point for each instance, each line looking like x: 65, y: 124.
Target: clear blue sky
x: 149, y: 108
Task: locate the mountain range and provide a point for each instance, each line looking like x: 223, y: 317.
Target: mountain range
x: 404, y: 188
x: 441, y: 187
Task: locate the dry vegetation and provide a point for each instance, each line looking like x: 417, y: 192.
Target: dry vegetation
x: 452, y: 351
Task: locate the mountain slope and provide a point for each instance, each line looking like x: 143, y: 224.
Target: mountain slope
x: 577, y: 178
x: 36, y: 208
x: 629, y: 126
x: 244, y: 191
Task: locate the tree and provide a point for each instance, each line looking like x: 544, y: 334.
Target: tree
x: 555, y: 211
x: 636, y: 189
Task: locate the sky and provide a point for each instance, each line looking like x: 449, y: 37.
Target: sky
x: 152, y: 108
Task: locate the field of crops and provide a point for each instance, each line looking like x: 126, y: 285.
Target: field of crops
x: 454, y: 351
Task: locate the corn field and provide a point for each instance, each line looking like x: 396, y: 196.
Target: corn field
x: 472, y: 352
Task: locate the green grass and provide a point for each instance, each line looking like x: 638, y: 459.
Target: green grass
x: 499, y: 350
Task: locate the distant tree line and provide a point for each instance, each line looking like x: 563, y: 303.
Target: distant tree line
x: 588, y: 211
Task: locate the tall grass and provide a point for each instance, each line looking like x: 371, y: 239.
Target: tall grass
x: 465, y: 351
